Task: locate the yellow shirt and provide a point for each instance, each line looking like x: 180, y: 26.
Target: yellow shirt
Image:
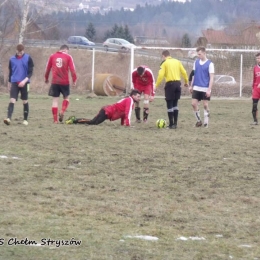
x: 171, y: 69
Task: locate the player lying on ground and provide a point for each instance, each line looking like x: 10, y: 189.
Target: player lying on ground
x: 120, y: 110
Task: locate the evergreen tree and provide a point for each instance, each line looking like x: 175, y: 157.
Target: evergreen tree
x: 128, y: 35
x: 186, y: 43
x: 120, y: 32
x: 90, y: 32
x: 114, y: 31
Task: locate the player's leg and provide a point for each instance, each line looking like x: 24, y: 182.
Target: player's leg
x: 169, y: 104
x: 206, y: 109
x: 14, y: 91
x: 138, y: 110
x: 98, y: 119
x: 206, y: 112
x: 55, y: 102
x: 65, y: 90
x: 255, y: 111
x: 175, y: 113
x: 146, y: 107
x: 195, y: 105
x: 177, y: 96
x: 24, y: 97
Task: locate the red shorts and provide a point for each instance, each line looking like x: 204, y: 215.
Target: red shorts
x: 256, y: 93
x: 145, y: 90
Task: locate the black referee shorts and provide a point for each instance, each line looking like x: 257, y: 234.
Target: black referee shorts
x: 172, y: 90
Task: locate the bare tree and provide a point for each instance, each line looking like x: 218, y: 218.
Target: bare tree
x: 26, y: 6
x: 30, y: 12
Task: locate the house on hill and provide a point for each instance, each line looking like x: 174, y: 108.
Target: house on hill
x: 231, y: 37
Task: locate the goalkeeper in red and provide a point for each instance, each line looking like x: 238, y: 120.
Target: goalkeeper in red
x: 120, y: 110
x: 256, y: 89
x: 143, y: 80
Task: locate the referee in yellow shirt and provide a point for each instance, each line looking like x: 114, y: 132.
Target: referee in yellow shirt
x: 172, y: 70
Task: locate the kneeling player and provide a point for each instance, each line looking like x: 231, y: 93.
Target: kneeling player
x: 120, y: 110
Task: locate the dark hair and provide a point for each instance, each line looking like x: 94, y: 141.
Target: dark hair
x: 134, y: 92
x: 258, y: 54
x: 140, y: 70
x: 201, y: 48
x: 20, y: 47
x: 64, y: 47
x: 166, y: 53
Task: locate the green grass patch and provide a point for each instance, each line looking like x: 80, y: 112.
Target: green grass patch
x: 100, y: 184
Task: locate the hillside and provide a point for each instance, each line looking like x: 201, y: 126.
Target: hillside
x: 167, y: 20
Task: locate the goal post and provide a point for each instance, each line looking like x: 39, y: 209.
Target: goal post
x: 233, y: 67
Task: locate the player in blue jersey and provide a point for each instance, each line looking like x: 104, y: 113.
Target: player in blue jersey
x: 20, y: 71
x: 201, y: 85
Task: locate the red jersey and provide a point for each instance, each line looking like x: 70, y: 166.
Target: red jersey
x: 122, y: 109
x: 146, y: 80
x: 60, y: 63
x: 256, y: 82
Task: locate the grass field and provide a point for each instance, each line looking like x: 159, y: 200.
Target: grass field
x: 195, y: 189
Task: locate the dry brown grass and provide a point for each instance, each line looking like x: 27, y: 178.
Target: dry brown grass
x: 101, y: 183
x: 118, y: 64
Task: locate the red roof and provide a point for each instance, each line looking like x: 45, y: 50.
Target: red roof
x: 247, y: 36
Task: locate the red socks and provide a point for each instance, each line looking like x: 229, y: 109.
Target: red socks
x: 65, y: 104
x: 55, y: 114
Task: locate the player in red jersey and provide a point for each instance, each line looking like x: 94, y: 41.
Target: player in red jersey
x: 143, y: 80
x: 60, y: 63
x: 256, y: 89
x: 120, y: 110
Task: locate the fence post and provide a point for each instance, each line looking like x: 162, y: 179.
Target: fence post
x: 93, y: 70
x: 131, y: 67
x: 241, y: 75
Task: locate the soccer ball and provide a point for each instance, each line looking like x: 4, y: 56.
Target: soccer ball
x: 161, y: 123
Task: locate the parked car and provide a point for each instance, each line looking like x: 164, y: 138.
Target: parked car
x: 80, y: 40
x: 117, y: 44
x: 224, y: 80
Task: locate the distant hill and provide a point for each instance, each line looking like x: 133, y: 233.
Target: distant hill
x: 154, y: 18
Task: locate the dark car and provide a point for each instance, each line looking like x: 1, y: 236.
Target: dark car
x: 80, y: 40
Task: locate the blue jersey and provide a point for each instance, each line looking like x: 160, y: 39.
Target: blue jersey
x: 19, y: 68
x: 201, y: 74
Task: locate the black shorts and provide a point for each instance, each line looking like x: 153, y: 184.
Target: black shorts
x: 199, y: 95
x: 14, y: 92
x: 57, y: 89
x: 172, y: 90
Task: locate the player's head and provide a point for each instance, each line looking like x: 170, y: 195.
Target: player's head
x: 257, y: 57
x: 64, y: 48
x: 166, y: 53
x: 140, y: 70
x: 135, y: 95
x: 201, y: 48
x: 20, y: 49
x: 201, y: 52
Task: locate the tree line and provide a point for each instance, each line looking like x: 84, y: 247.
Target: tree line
x: 171, y: 20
